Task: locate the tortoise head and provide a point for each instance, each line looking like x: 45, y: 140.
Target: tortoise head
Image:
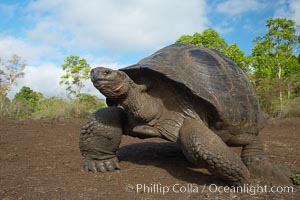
x: 111, y: 83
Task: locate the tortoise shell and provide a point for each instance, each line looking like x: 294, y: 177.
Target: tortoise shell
x: 209, y: 75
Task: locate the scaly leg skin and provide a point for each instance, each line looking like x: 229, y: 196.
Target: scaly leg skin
x: 260, y: 167
x: 200, y: 144
x: 100, y: 138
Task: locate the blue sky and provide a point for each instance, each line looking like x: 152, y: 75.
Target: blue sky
x: 117, y: 33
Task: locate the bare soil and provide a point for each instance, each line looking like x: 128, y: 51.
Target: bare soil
x: 41, y: 160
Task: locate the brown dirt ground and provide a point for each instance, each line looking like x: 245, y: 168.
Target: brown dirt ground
x: 41, y: 160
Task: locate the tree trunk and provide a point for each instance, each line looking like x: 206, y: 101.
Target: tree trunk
x: 280, y: 89
x: 281, y: 101
x: 289, y: 91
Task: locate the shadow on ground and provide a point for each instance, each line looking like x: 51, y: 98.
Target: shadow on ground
x: 169, y: 157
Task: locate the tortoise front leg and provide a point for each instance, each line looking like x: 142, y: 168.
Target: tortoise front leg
x: 201, y: 145
x: 100, y: 138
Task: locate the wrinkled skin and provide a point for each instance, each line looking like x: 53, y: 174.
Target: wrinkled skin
x: 99, y: 142
x: 153, y: 106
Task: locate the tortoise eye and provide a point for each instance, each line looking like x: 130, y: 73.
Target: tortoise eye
x: 106, y: 72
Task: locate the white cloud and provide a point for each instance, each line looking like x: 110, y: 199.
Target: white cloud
x: 236, y: 7
x: 104, y: 61
x: 44, y: 79
x: 122, y: 25
x: 289, y: 9
x: 30, y: 53
x: 295, y: 9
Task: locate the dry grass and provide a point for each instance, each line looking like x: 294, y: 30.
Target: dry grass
x: 292, y: 109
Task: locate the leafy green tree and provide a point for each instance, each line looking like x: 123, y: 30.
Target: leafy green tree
x: 76, y: 73
x: 210, y: 38
x: 238, y: 56
x: 274, y: 60
x: 29, y: 97
x: 25, y: 103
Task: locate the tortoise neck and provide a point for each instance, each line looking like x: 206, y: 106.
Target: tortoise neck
x: 140, y: 104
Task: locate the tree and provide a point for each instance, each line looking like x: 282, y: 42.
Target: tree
x: 210, y: 38
x: 238, y: 56
x: 77, y: 71
x: 12, y: 69
x: 274, y: 58
x: 29, y: 97
x: 25, y: 103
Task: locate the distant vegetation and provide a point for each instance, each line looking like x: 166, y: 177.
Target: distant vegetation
x: 28, y: 104
x: 273, y: 68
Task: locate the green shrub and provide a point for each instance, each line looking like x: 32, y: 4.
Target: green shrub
x: 56, y: 108
x: 28, y: 104
x: 28, y: 97
x: 90, y: 103
x: 25, y: 102
x: 15, y: 110
x: 51, y: 108
x: 296, y: 178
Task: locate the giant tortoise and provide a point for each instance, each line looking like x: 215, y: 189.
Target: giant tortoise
x: 193, y: 96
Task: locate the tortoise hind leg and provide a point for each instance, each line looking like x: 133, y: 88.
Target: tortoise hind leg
x: 260, y: 166
x: 200, y: 144
x: 252, y: 152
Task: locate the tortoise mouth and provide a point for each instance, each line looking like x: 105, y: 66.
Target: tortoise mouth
x: 100, y: 82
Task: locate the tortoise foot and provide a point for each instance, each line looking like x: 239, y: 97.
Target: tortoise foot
x: 106, y: 165
x: 271, y: 173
